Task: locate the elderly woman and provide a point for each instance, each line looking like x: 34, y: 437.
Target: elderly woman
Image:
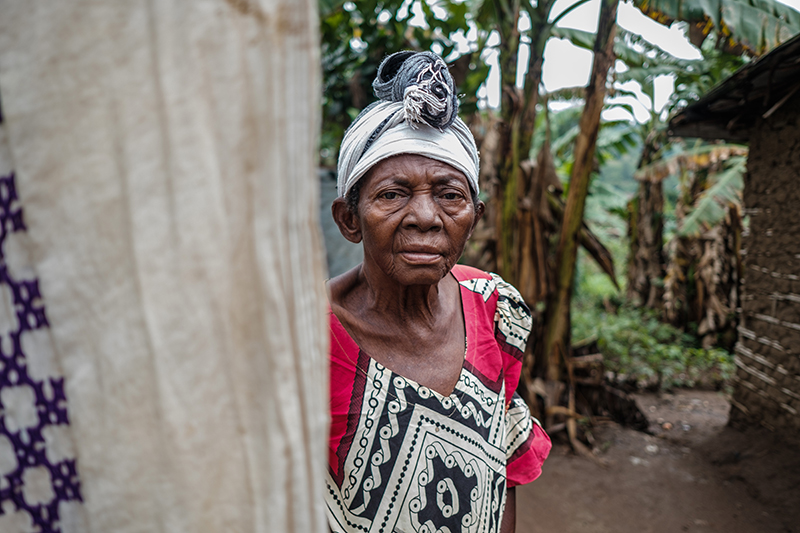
x: 427, y: 433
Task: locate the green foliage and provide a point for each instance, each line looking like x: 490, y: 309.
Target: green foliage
x: 616, y: 139
x: 593, y: 286
x: 707, y: 177
x: 724, y: 188
x: 753, y: 25
x: 636, y: 345
x: 618, y: 172
x: 696, y: 78
x: 644, y: 351
x: 618, y: 148
x: 606, y: 215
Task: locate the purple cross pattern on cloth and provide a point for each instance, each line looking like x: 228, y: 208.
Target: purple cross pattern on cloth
x: 29, y: 443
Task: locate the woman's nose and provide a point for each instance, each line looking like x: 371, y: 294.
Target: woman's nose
x: 423, y: 213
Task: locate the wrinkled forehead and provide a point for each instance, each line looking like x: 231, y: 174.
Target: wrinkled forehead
x: 382, y: 133
x: 406, y: 166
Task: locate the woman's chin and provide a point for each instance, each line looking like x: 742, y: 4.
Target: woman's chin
x: 421, y: 274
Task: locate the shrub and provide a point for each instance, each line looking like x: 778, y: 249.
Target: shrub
x: 642, y: 351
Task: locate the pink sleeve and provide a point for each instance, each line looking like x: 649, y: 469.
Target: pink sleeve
x: 527, y: 444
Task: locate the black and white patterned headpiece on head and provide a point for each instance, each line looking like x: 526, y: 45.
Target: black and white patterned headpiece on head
x: 417, y: 114
x: 422, y: 82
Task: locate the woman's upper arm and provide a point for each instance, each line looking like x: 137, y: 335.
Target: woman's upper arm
x: 509, y: 522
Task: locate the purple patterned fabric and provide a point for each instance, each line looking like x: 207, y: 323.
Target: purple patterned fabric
x: 27, y: 436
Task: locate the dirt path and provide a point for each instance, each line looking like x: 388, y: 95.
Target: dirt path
x: 696, y: 475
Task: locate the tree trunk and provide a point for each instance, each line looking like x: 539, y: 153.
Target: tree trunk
x: 162, y: 332
x: 515, y: 235
x: 557, y: 325
x: 646, y: 233
x: 509, y: 150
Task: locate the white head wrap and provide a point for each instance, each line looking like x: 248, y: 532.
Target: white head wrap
x: 416, y: 115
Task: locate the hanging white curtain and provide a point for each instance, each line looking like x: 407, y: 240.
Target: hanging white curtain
x: 162, y: 333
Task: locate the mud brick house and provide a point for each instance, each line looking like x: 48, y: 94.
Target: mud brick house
x: 760, y: 105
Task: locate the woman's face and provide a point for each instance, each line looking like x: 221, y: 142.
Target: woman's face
x: 415, y: 216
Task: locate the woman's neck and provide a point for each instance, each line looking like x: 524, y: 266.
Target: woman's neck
x: 407, y: 303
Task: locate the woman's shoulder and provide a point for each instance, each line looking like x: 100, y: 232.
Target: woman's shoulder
x: 343, y: 296
x: 466, y: 273
x: 499, y: 301
x: 341, y: 286
x: 486, y: 283
x: 341, y: 291
x: 343, y: 349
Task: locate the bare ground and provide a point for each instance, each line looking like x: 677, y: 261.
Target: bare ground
x: 692, y: 473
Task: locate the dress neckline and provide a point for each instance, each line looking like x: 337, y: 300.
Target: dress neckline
x: 468, y: 347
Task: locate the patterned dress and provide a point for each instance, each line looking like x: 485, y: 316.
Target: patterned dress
x: 404, y: 458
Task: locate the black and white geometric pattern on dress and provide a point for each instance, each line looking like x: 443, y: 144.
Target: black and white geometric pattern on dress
x: 512, y: 317
x: 422, y: 462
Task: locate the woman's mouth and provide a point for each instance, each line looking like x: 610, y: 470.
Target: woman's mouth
x: 421, y: 257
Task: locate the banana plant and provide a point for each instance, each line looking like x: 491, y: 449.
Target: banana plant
x: 706, y: 201
x: 701, y: 286
x: 741, y: 26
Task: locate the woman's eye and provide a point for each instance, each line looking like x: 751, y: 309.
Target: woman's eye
x: 389, y: 195
x: 450, y: 196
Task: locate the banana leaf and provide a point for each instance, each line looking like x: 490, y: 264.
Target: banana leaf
x: 588, y: 240
x: 755, y: 25
x: 709, y: 208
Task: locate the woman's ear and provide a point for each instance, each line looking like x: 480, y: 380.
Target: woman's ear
x: 348, y: 222
x: 480, y: 208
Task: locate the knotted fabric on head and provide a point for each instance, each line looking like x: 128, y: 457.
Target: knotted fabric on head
x: 416, y: 114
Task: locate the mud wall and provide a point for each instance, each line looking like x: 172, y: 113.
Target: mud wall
x: 767, y: 384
